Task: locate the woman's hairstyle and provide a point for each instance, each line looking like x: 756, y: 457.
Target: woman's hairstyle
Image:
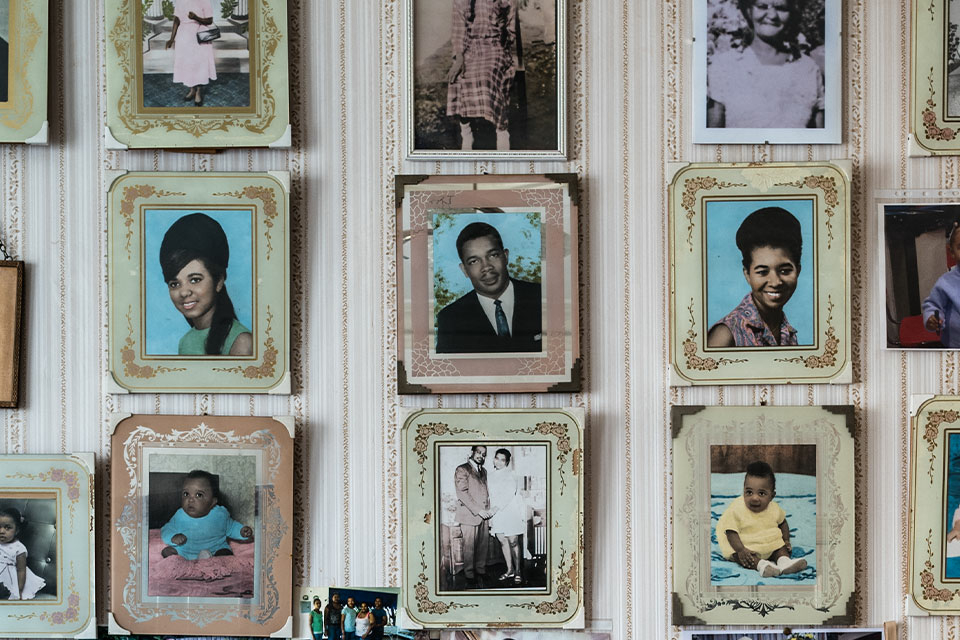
x: 505, y: 454
x: 760, y: 469
x: 197, y: 236
x: 770, y: 227
x: 788, y: 37
x: 17, y: 517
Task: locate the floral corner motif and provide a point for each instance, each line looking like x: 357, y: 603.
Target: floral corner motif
x: 831, y: 347
x: 931, y: 433
x: 562, y: 434
x: 131, y: 194
x: 267, y: 197
x: 931, y: 126
x: 422, y: 592
x: 128, y: 356
x: 831, y: 196
x: 421, y: 444
x: 566, y: 587
x: 695, y: 362
x: 930, y: 590
x: 691, y: 186
x: 268, y: 366
x: 65, y: 616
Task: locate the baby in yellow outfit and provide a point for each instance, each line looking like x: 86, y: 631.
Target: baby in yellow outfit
x: 753, y: 531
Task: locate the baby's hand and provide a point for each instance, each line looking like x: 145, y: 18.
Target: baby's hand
x: 952, y: 535
x: 246, y: 532
x: 933, y: 324
x: 747, y: 559
x: 788, y: 547
x: 178, y: 539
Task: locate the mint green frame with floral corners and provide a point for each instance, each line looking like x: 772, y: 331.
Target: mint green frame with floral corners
x: 266, y: 195
x: 932, y: 130
x: 696, y: 600
x: 827, y: 360
x: 266, y: 122
x: 70, y: 479
x: 933, y: 419
x: 23, y: 117
x: 560, y: 604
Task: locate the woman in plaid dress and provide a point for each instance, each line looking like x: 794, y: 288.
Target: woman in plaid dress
x: 484, y: 42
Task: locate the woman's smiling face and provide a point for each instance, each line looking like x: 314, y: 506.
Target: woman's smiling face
x: 772, y: 276
x: 194, y: 293
x: 770, y: 18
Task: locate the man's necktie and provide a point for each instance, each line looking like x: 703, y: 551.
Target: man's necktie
x: 503, y: 329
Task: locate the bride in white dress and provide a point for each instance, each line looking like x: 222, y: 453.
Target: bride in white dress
x: 509, y: 520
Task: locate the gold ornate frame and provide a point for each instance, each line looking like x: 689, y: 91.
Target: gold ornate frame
x: 264, y: 123
x: 23, y: 117
x: 933, y: 131
x: 11, y: 315
x: 826, y: 185
x: 560, y: 604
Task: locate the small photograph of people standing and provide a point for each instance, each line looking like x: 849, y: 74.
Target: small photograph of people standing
x: 196, y: 53
x: 493, y: 517
x: 346, y: 613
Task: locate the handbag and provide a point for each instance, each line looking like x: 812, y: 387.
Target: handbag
x: 208, y: 35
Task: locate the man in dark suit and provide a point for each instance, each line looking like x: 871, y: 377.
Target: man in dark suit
x: 501, y: 314
x: 473, y: 512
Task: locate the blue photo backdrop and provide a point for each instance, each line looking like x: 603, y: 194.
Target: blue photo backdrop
x: 726, y: 285
x: 164, y: 324
x: 952, y: 565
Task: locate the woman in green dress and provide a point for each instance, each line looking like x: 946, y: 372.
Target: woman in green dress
x: 194, y: 256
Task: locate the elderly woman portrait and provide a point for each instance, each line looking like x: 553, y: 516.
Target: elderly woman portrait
x: 770, y: 241
x: 765, y: 64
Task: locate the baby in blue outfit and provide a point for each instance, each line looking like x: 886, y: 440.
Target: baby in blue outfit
x: 200, y: 527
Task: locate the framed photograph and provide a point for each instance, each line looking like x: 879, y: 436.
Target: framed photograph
x: 47, y: 565
x: 921, y: 248
x: 934, y: 78
x: 934, y: 543
x: 199, y: 282
x: 24, y: 43
x: 493, y: 518
x: 11, y: 313
x: 197, y: 73
x: 338, y: 611
x: 468, y: 92
x: 487, y: 272
x: 818, y: 633
x: 750, y: 535
x: 767, y: 71
x: 760, y: 264
x: 202, y: 512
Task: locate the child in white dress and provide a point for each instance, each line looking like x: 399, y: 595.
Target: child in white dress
x: 14, y: 573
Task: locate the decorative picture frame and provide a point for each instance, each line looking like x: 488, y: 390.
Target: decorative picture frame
x: 803, y: 95
x: 54, y: 495
x: 155, y: 219
x: 523, y: 119
x: 449, y: 567
x: 24, y: 45
x: 444, y: 343
x: 803, y: 206
x: 244, y: 98
x: 934, y: 121
x: 934, y: 564
x: 805, y: 449
x: 11, y: 317
x: 248, y: 591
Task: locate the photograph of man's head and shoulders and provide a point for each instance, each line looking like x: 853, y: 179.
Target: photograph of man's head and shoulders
x: 487, y: 293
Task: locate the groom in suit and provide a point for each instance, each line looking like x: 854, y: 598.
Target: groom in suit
x: 501, y: 314
x: 473, y: 513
